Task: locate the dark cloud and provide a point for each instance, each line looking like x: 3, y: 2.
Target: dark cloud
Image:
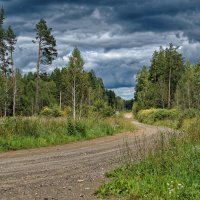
x: 115, y: 37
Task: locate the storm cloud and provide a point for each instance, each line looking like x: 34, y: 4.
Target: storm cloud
x: 116, y: 37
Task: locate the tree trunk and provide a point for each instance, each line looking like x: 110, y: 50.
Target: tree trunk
x: 177, y: 99
x: 198, y: 102
x: 169, y: 88
x: 6, y: 89
x: 184, y: 101
x: 60, y: 100
x: 14, y: 97
x: 89, y: 97
x: 13, y: 83
x: 81, y: 106
x: 162, y: 91
x: 189, y: 103
x: 74, y: 100
x: 5, y: 104
x: 37, y: 81
x: 32, y: 106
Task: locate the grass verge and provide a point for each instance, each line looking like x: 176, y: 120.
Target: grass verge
x: 30, y: 132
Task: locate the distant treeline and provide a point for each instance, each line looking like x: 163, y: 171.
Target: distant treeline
x: 61, y: 89
x: 69, y: 88
x: 169, y: 82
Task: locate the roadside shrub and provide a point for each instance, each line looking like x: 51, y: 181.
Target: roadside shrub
x: 153, y: 115
x: 51, y: 112
x: 76, y: 128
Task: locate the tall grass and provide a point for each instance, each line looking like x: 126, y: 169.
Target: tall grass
x: 29, y: 132
x: 171, y: 170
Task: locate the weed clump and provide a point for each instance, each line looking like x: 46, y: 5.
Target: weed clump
x: 76, y: 128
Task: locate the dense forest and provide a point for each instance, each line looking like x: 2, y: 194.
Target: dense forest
x: 169, y: 82
x: 69, y: 88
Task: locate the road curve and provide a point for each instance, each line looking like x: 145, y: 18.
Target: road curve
x: 70, y: 172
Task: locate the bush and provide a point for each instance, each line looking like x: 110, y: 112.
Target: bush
x: 107, y: 111
x: 100, y: 109
x: 153, y: 115
x: 76, y: 128
x: 51, y: 112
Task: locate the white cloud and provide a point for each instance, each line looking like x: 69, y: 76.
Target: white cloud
x: 124, y: 92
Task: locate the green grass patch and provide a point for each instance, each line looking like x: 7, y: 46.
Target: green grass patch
x: 30, y: 132
x: 170, y: 172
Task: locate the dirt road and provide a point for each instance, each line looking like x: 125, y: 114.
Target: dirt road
x: 70, y: 172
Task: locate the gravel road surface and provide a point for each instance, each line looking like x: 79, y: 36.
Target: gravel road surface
x: 70, y: 172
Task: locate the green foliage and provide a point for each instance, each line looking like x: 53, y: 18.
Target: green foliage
x: 157, y: 86
x: 46, y: 53
x: 143, y: 91
x: 171, y: 172
x: 51, y: 86
x: 168, y: 82
x: 46, y: 42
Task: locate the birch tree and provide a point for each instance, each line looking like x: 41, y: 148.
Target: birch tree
x: 75, y: 71
x: 4, y: 57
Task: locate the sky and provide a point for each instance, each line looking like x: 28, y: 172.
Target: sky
x: 116, y: 37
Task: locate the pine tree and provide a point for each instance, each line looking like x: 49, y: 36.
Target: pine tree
x: 11, y: 40
x: 174, y: 69
x: 46, y: 51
